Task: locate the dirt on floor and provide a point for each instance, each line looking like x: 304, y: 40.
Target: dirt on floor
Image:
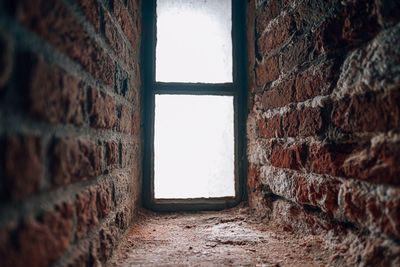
x: 215, y: 238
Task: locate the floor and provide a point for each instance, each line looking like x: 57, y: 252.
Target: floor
x: 224, y: 238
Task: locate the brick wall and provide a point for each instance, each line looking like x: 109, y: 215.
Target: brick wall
x: 70, y: 153
x: 323, y: 129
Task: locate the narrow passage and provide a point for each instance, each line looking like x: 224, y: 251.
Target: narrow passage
x: 217, y: 238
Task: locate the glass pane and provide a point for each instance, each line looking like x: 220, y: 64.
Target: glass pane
x: 194, y: 42
x: 193, y: 145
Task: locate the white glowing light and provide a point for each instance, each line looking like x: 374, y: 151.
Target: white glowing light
x: 194, y: 146
x: 194, y: 42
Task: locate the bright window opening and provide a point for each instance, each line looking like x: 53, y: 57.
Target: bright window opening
x: 194, y: 41
x: 193, y: 147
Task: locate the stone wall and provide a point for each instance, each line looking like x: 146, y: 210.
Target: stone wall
x: 323, y: 128
x: 70, y: 173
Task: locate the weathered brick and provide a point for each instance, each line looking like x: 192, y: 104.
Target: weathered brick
x: 253, y: 178
x: 268, y: 12
x: 135, y: 123
x: 74, y: 160
x: 103, y: 200
x: 352, y: 24
x: 125, y: 120
x: 128, y: 154
x: 274, y: 37
x: 377, y: 163
x: 270, y: 128
x: 23, y: 158
x: 122, y: 15
x: 55, y: 96
x: 292, y: 157
x: 103, y: 112
x: 86, y: 211
x: 134, y: 7
x: 303, y: 122
x: 113, y: 37
x: 369, y: 112
x: 47, y: 236
x: 54, y: 22
x: 279, y: 95
x: 328, y: 158
x: 323, y: 194
x: 318, y: 80
x: 299, y: 51
x: 267, y: 71
x: 6, y: 61
x: 112, y: 154
x: 107, y: 242
x: 91, y: 10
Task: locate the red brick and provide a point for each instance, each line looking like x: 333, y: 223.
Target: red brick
x: 275, y: 36
x: 352, y: 24
x: 38, y: 242
x: 309, y: 12
x: 369, y: 112
x: 135, y: 123
x: 268, y: 12
x: 112, y: 154
x: 319, y: 80
x: 377, y: 164
x: 74, y: 160
x: 391, y: 221
x: 267, y: 71
x: 354, y: 205
x: 103, y: 112
x: 316, y: 193
x: 304, y: 122
x: 134, y: 8
x: 270, y: 128
x: 125, y: 120
x: 291, y: 157
x: 86, y: 211
x: 299, y: 51
x: 280, y: 95
x: 108, y: 240
x: 253, y: 178
x: 6, y: 62
x: 128, y: 154
x: 122, y: 15
x: 55, y: 96
x: 91, y: 10
x: 23, y: 158
x: 328, y: 158
x: 103, y: 200
x: 54, y: 22
x: 113, y: 38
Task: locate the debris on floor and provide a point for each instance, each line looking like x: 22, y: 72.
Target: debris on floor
x: 216, y: 238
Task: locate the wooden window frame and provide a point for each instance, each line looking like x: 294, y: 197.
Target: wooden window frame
x: 237, y: 89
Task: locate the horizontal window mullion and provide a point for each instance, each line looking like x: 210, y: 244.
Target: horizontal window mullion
x: 194, y: 88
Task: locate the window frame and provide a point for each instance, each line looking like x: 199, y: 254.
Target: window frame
x: 237, y: 89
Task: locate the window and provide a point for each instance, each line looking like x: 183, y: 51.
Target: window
x: 194, y: 84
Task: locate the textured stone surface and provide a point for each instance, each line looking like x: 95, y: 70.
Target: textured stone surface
x: 55, y: 23
x: 40, y: 241
x: 323, y: 123
x: 23, y: 156
x: 103, y: 111
x: 55, y: 96
x: 75, y: 160
x: 70, y: 114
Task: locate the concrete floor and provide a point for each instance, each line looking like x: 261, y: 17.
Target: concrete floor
x: 224, y: 238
